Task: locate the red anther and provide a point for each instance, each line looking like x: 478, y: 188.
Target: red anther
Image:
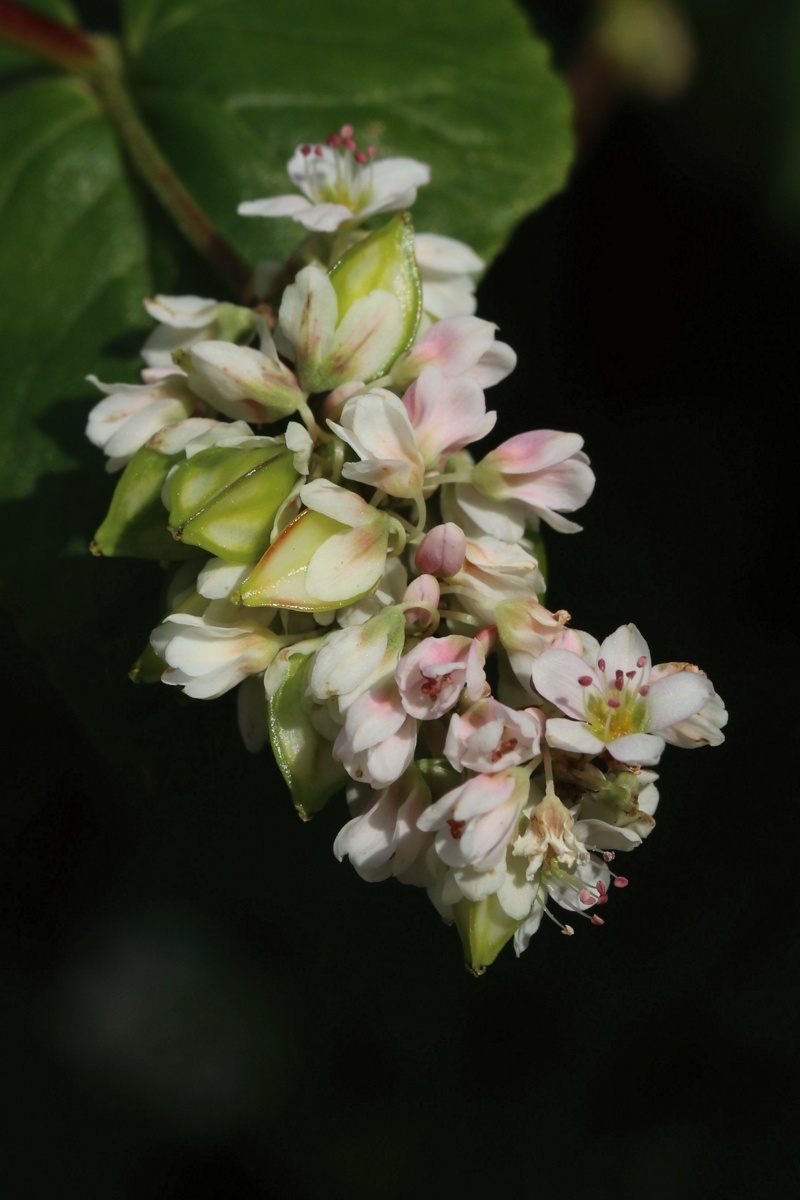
x: 620, y: 881
x: 644, y: 690
x: 640, y: 662
x: 371, y: 151
x: 318, y: 151
x: 346, y: 131
x: 334, y: 140
x: 618, y: 680
x: 596, y: 920
x: 585, y: 680
x: 456, y: 828
x: 349, y: 143
x: 586, y: 897
x: 613, y: 702
x: 305, y: 150
x: 568, y: 930
x: 608, y: 856
x: 630, y: 674
x: 601, y: 662
x: 360, y: 157
x: 601, y: 887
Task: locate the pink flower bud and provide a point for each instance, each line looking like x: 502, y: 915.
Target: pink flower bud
x: 441, y: 551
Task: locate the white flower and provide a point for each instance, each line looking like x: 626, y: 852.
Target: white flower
x: 340, y: 183
x: 209, y: 653
x: 383, y: 840
x: 377, y: 427
x: 616, y: 707
x: 132, y: 413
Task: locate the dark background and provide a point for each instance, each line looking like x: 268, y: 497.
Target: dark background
x: 202, y: 1003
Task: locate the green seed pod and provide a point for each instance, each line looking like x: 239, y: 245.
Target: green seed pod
x: 136, y: 523
x: 226, y: 498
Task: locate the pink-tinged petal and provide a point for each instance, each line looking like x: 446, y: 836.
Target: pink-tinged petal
x: 455, y: 344
x: 675, y: 697
x: 644, y: 749
x: 485, y: 793
x: 483, y: 843
x: 572, y: 735
x: 623, y: 650
x: 494, y: 365
x: 556, y: 675
x: 533, y: 451
x: 441, y: 551
x: 447, y: 413
x: 274, y: 206
x: 565, y: 486
x: 375, y: 716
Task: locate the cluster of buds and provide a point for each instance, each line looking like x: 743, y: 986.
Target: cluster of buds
x: 341, y: 555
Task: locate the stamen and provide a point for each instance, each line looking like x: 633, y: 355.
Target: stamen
x: 334, y: 140
x: 641, y: 661
x: 350, y: 143
x: 370, y: 151
x: 609, y: 856
x: 601, y: 662
x: 318, y: 151
x: 630, y: 674
x: 618, y: 680
x: 585, y: 680
x: 346, y: 131
x: 620, y: 881
x: 567, y: 929
x: 613, y: 702
x: 456, y: 829
x: 643, y: 691
x: 305, y: 150
x: 360, y: 157
x: 596, y: 920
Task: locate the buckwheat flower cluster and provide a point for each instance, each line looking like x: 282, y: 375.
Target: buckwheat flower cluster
x: 343, y: 553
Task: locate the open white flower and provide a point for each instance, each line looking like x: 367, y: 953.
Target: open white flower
x: 377, y: 427
x: 615, y: 707
x: 340, y: 183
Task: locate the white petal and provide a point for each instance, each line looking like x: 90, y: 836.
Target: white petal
x: 675, y: 697
x: 572, y: 735
x: 275, y: 206
x: 183, y: 312
x: 555, y: 676
x: 644, y: 749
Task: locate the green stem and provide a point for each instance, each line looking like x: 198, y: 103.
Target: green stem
x: 99, y: 60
